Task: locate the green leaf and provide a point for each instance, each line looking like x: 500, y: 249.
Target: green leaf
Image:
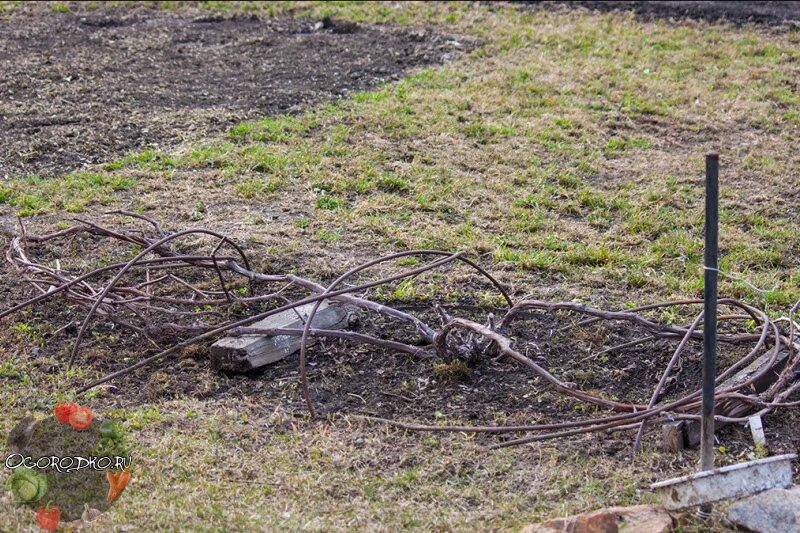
x: 110, y: 429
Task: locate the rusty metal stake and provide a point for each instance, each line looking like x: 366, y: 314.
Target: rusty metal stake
x: 709, y: 319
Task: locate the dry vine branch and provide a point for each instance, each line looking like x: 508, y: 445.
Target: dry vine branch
x: 194, y: 288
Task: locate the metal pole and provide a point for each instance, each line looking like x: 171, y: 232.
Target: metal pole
x: 710, y: 317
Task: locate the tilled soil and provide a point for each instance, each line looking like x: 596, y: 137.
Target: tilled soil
x: 87, y: 87
x: 770, y: 13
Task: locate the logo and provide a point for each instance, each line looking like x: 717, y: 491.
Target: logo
x: 67, y: 467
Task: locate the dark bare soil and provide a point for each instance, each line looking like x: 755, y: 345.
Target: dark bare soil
x: 360, y: 379
x: 771, y: 13
x: 88, y: 87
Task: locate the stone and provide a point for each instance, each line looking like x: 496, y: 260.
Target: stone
x: 650, y: 518
x: 772, y: 511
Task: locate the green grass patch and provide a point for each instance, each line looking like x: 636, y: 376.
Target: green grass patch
x: 71, y: 193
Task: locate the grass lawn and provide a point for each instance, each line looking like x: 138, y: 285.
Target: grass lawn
x: 563, y: 148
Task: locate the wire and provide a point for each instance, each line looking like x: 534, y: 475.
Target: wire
x: 739, y: 278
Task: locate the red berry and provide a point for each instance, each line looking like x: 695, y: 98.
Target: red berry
x: 81, y: 419
x: 63, y: 411
x: 48, y: 517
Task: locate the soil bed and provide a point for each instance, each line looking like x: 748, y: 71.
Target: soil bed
x: 768, y: 13
x: 88, y: 87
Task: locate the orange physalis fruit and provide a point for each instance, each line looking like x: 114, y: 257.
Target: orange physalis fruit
x: 81, y: 419
x: 117, y: 481
x: 63, y: 411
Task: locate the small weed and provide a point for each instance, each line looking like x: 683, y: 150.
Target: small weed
x: 620, y: 145
x: 328, y: 235
x: 591, y: 256
x: 568, y: 180
x: 58, y: 7
x: 392, y: 183
x: 199, y: 212
x: 145, y: 160
x: 329, y: 202
x: 269, y: 130
x: 256, y: 187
